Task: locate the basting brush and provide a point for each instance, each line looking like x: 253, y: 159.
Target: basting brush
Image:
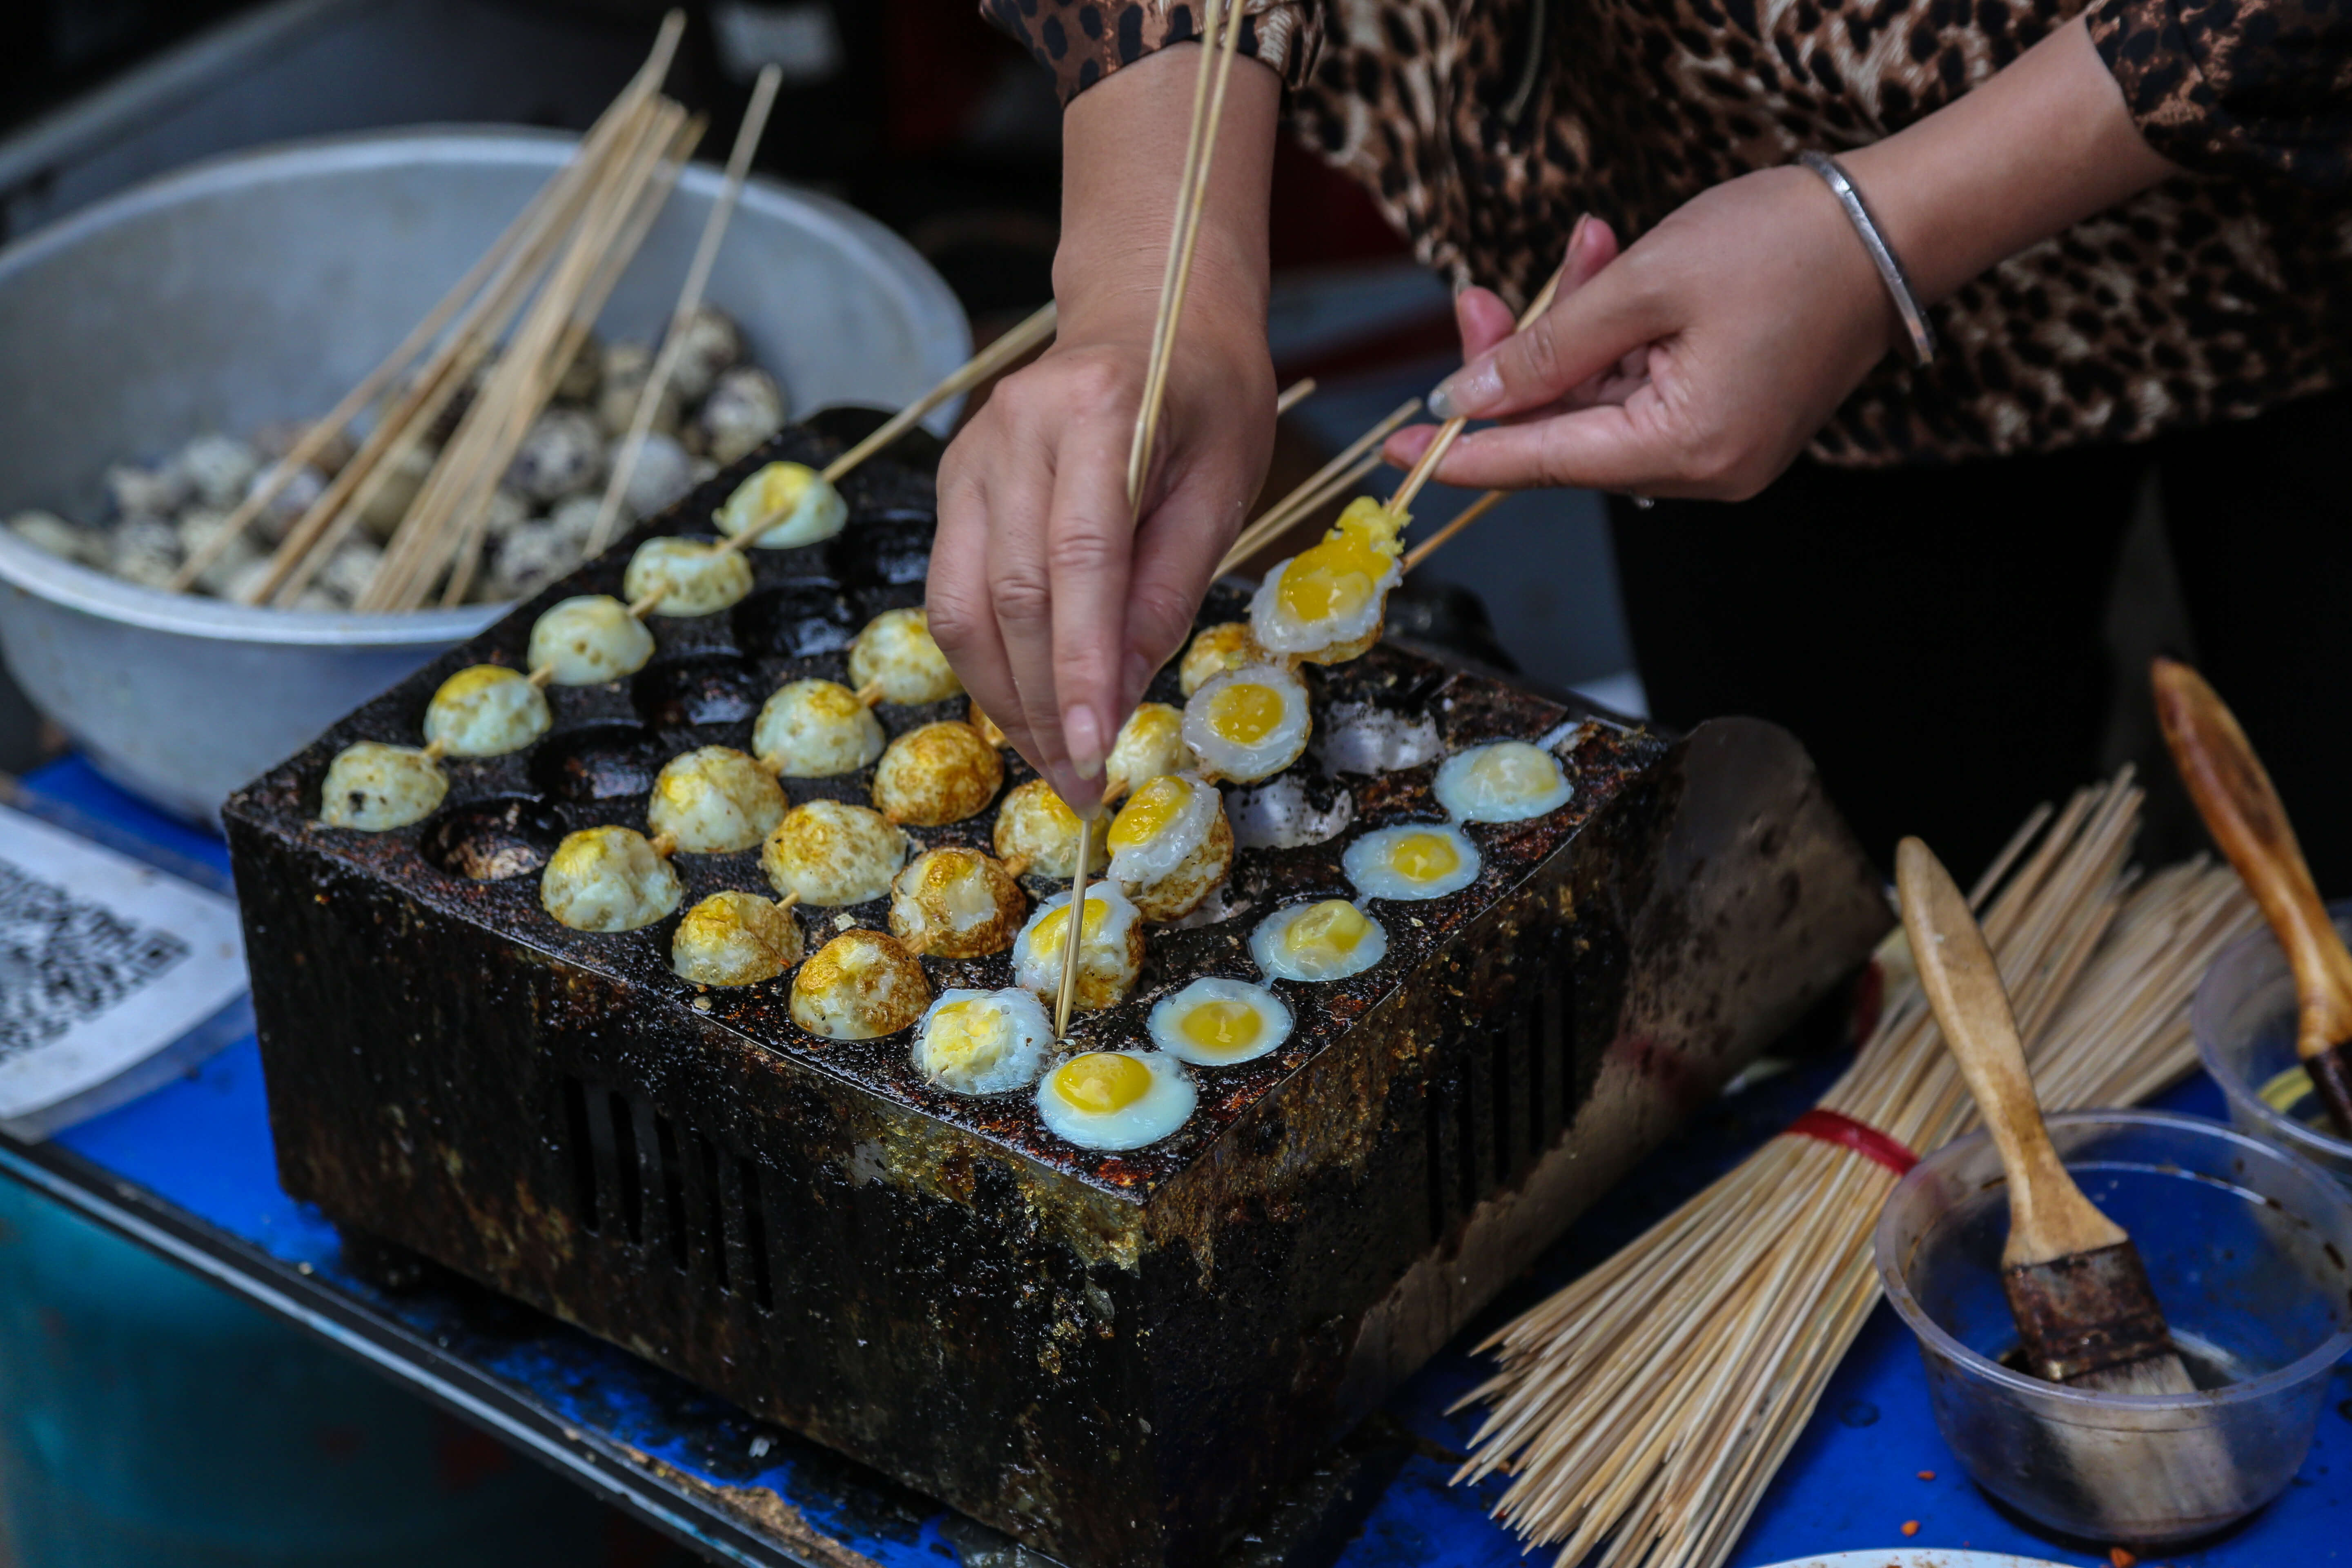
x: 2244, y: 813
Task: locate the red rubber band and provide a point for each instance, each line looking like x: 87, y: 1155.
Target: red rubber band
x: 1831, y: 1127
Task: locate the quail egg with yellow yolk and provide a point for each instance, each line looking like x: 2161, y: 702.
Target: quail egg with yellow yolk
x: 817, y: 729
x: 831, y: 853
x: 714, y: 800
x: 734, y: 938
x: 1171, y: 846
x: 860, y: 985
x: 1509, y: 781
x: 607, y: 879
x: 1325, y: 603
x: 588, y: 640
x: 1213, y: 651
x: 1248, y: 724
x: 800, y: 504
x: 983, y: 1042
x: 1111, y: 1100
x: 1215, y: 1023
x: 376, y: 787
x: 1110, y: 948
x: 485, y: 710
x: 1151, y: 743
x: 1413, y: 860
x: 693, y: 577
x: 937, y: 775
x: 1037, y: 829
x: 955, y: 903
x: 1328, y: 941
x: 895, y: 653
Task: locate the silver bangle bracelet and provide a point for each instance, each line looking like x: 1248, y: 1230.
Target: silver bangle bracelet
x: 1890, y: 270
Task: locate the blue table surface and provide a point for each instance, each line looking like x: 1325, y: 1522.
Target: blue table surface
x: 201, y: 1145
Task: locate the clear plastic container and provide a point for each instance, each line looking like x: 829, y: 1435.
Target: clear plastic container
x: 2244, y: 1021
x: 2246, y: 1247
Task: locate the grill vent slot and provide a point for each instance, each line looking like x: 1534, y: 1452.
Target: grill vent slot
x: 1505, y: 1090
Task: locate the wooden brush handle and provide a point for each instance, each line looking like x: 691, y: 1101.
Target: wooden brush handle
x: 2247, y: 820
x: 2049, y: 1217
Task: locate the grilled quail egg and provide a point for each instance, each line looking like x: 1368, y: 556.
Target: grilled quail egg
x: 1117, y: 1099
x: 1151, y: 743
x: 989, y: 730
x: 376, y: 787
x: 606, y: 879
x: 1216, y: 1023
x: 693, y: 577
x: 1170, y: 845
x: 817, y: 729
x: 831, y: 853
x: 1214, y: 650
x: 803, y: 505
x: 485, y: 710
x: 1509, y: 781
x: 1329, y: 941
x: 715, y: 801
x: 939, y: 774
x: 1248, y: 724
x: 895, y: 653
x: 955, y: 903
x: 1110, y: 948
x: 735, y: 939
x: 983, y: 1042
x: 1414, y: 860
x: 860, y: 985
x: 1325, y: 603
x: 1037, y: 828
x: 588, y: 640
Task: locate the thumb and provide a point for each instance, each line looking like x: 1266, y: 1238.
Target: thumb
x: 1586, y: 331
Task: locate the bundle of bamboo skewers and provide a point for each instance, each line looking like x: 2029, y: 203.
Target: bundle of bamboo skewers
x: 1642, y: 1411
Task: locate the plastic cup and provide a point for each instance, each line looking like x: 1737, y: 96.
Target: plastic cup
x: 2244, y: 1021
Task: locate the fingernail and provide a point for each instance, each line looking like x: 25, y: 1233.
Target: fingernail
x: 1575, y: 235
x: 1462, y: 394
x: 1082, y: 733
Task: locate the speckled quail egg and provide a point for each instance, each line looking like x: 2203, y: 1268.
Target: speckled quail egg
x: 1037, y: 829
x: 955, y: 903
x: 147, y: 492
x: 1509, y: 781
x: 376, y: 787
x: 710, y: 344
x: 1249, y: 724
x: 661, y: 475
x: 1110, y: 948
x: 693, y: 577
x: 197, y: 531
x: 1216, y: 1023
x: 1214, y: 650
x: 563, y: 454
x: 817, y: 729
x: 607, y: 879
x: 745, y: 407
x: 589, y: 639
x: 895, y: 653
x: 1150, y: 744
x: 937, y: 775
x: 626, y: 368
x: 350, y: 570
x: 832, y: 853
x: 145, y: 551
x: 1412, y: 860
x: 735, y: 939
x: 1328, y: 941
x: 860, y: 985
x: 585, y: 373
x: 715, y: 801
x: 1325, y: 603
x: 983, y: 1042
x: 485, y: 710
x: 1117, y: 1099
x: 391, y: 490
x: 1171, y: 846
x: 799, y: 504
x: 48, y: 531
x: 219, y: 468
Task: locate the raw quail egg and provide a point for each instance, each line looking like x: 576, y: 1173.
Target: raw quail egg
x: 1110, y: 948
x: 1169, y: 844
x: 693, y: 577
x: 817, y: 729
x: 1151, y: 743
x: 607, y: 878
x: 735, y: 939
x: 1117, y: 1099
x: 1037, y: 829
x: 1325, y: 603
x: 860, y: 985
x: 1329, y: 941
x: 1214, y: 650
x: 1509, y: 781
x: 895, y: 653
x: 1216, y: 1023
x: 983, y: 1042
x: 714, y: 800
x: 1248, y: 724
x: 955, y: 903
x: 376, y: 787
x: 939, y: 774
x: 832, y: 853
x: 588, y: 640
x: 485, y: 710
x: 800, y: 504
x: 1415, y: 860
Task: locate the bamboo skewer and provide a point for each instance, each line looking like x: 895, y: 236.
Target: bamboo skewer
x: 1461, y: 520
x: 1303, y: 500
x: 1451, y: 431
x: 1291, y: 396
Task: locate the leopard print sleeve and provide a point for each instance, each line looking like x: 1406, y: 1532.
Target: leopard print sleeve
x: 2246, y: 84
x: 1083, y: 41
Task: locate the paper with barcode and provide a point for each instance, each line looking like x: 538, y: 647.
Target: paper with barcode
x: 105, y: 964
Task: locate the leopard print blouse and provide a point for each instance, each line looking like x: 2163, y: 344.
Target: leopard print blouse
x: 1485, y: 127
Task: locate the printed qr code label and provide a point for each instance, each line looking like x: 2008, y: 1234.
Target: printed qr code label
x: 64, y: 959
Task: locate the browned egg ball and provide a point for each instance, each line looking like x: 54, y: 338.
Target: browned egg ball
x: 376, y: 787
x: 1214, y: 650
x: 939, y: 774
x: 832, y: 853
x: 714, y: 800
x: 895, y: 653
x: 1171, y: 846
x: 607, y: 879
x: 588, y: 640
x: 1151, y: 743
x: 735, y: 939
x: 860, y: 985
x: 1037, y: 828
x: 955, y: 903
